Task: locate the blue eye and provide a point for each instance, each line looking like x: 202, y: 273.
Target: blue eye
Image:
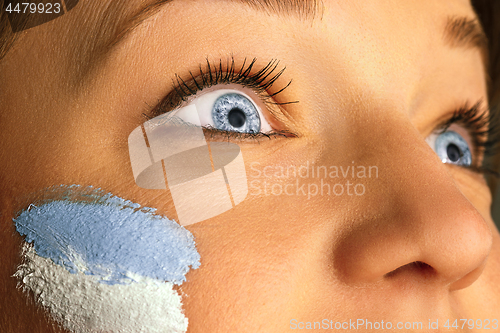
x: 236, y: 113
x: 452, y: 148
x: 230, y: 110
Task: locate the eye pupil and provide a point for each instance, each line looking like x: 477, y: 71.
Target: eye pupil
x: 236, y: 117
x: 453, y: 152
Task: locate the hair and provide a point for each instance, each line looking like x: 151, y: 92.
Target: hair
x: 488, y: 12
x: 7, y: 37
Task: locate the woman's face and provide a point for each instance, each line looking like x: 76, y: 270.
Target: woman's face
x: 408, y: 239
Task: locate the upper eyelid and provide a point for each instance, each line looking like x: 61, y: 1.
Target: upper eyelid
x: 262, y: 108
x: 473, y: 118
x: 259, y: 80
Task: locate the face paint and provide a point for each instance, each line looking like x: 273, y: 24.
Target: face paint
x: 101, y: 263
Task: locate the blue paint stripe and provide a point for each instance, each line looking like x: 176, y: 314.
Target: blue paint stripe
x: 100, y: 234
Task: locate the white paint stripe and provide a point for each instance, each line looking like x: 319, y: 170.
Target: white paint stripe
x: 82, y: 304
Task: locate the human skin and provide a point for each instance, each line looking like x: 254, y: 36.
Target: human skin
x: 373, y: 80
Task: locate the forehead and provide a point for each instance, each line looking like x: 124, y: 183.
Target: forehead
x: 403, y: 43
x: 113, y: 22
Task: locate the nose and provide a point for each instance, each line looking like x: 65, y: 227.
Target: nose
x: 416, y: 222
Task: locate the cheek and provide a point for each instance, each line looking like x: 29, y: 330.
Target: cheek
x: 96, y: 261
x: 475, y: 188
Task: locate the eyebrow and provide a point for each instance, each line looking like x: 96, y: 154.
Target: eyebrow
x: 462, y: 32
x: 467, y: 33
x: 305, y: 10
x: 116, y: 20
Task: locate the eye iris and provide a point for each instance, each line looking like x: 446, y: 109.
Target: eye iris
x: 452, y: 148
x: 235, y: 112
x: 236, y: 117
x: 453, y: 152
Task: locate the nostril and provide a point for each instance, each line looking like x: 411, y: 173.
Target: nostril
x: 417, y: 268
x: 423, y: 268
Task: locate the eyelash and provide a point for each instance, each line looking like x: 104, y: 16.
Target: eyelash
x: 484, y: 129
x: 260, y: 82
